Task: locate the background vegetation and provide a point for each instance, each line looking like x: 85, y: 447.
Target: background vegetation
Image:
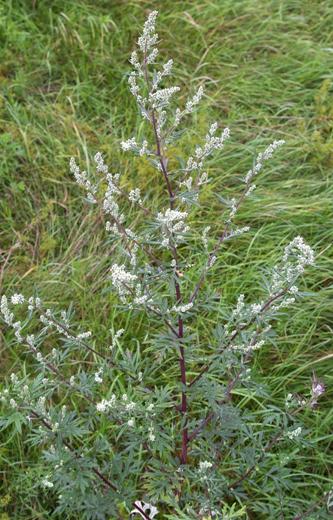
x: 267, y: 69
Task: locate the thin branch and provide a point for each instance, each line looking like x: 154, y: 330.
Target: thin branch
x: 91, y: 349
x: 274, y: 440
x: 235, y: 334
x: 95, y: 469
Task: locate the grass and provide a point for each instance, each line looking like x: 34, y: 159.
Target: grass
x: 267, y: 68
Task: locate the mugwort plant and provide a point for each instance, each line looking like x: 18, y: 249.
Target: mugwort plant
x: 159, y: 430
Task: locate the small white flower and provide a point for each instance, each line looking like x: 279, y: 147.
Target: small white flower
x: 151, y: 434
x: 130, y: 144
x: 134, y: 196
x: 47, y: 483
x: 106, y: 404
x: 293, y: 434
x: 14, y: 378
x: 17, y: 299
x: 102, y: 406
x: 204, y: 466
x: 182, y: 308
x: 98, y: 376
x: 211, y: 261
x: 84, y: 335
x: 39, y: 357
x: 143, y: 148
x: 130, y: 406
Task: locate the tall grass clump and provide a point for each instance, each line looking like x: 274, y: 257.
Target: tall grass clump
x: 162, y: 430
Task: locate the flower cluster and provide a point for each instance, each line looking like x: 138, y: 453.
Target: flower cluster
x: 83, y: 180
x: 212, y: 143
x: 162, y: 97
x: 173, y: 225
x: 261, y: 158
x: 106, y: 404
x: 293, y: 434
x: 297, y: 255
x: 122, y: 280
x: 204, y: 466
x: 8, y: 316
x: 148, y: 38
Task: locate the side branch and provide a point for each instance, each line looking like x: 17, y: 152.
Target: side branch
x: 264, y: 307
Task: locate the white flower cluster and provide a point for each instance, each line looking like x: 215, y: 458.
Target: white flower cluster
x: 116, y: 337
x: 82, y: 180
x: 130, y: 144
x: 134, y: 89
x: 135, y: 196
x: 101, y: 167
x: 182, y: 308
x: 106, y: 404
x: 261, y: 158
x: 98, y: 376
x: 244, y: 348
x: 205, y: 237
x: 141, y: 299
x: 148, y: 38
x: 17, y: 299
x: 189, y: 106
x: 162, y: 97
x: 122, y: 280
x: 151, y: 434
x: 237, y: 232
x: 110, y: 206
x: 34, y: 303
x: 123, y: 407
x: 293, y: 400
x: 212, y: 143
x: 83, y: 335
x: 243, y: 313
x: 239, y: 306
x: 191, y: 103
x: 297, y: 255
x: 304, y: 253
x: 293, y: 434
x: 8, y: 316
x: 46, y: 482
x: 146, y: 43
x: 166, y: 71
x: 172, y: 224
x: 204, y: 466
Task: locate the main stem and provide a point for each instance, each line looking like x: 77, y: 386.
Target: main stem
x: 182, y: 364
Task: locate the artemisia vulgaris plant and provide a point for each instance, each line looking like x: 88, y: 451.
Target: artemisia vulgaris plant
x: 158, y: 430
